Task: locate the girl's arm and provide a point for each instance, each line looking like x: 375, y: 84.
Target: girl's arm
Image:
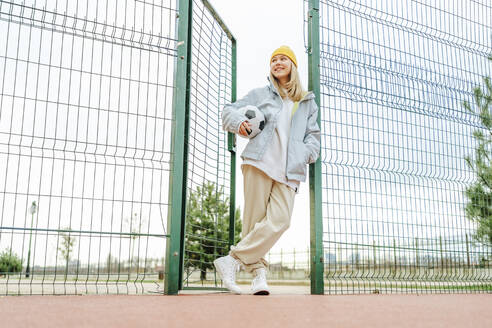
x: 231, y: 119
x: 313, y: 135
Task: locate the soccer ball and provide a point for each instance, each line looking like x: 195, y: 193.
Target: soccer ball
x: 255, y: 117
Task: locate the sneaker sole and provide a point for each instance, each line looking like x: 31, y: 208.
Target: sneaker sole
x: 262, y: 292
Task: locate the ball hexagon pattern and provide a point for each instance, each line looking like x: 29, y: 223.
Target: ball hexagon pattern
x: 254, y: 116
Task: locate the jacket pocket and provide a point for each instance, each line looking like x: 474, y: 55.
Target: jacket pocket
x: 297, y: 158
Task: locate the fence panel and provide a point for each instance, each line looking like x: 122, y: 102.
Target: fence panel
x: 85, y: 125
x: 211, y: 159
x: 393, y: 76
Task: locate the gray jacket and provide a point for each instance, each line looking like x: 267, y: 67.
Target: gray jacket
x: 304, y: 138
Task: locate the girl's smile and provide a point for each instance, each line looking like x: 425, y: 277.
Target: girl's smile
x: 280, y: 67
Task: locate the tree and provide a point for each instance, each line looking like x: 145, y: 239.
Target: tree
x: 9, y: 262
x: 135, y: 227
x: 66, y: 247
x: 207, y: 227
x: 479, y: 194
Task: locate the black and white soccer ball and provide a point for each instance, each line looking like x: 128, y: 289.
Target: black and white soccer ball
x: 254, y: 116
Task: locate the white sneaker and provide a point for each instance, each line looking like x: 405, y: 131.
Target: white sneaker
x: 226, y: 267
x: 259, y: 285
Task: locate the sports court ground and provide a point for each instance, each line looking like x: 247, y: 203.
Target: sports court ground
x: 286, y: 307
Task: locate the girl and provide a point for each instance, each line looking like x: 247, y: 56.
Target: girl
x: 274, y: 163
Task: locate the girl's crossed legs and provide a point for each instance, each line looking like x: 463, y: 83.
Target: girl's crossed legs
x: 268, y: 206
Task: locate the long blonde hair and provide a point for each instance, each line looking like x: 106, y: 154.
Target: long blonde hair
x: 295, y: 91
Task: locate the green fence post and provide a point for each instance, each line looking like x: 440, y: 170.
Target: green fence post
x: 231, y: 146
x: 180, y: 125
x: 317, y: 284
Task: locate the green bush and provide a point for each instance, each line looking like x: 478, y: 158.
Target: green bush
x: 9, y: 262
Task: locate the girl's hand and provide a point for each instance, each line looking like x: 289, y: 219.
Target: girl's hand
x: 244, y: 128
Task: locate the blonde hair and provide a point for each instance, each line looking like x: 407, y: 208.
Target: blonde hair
x: 295, y: 91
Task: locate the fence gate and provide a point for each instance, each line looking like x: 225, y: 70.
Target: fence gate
x: 389, y: 201
x: 205, y: 172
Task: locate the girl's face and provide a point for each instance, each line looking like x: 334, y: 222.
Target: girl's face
x: 280, y: 67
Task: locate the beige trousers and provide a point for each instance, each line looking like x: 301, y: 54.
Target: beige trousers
x: 268, y: 208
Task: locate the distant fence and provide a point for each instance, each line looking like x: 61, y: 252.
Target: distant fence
x: 389, y: 186
x: 391, y: 274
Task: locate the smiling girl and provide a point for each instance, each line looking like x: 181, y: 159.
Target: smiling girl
x: 274, y: 164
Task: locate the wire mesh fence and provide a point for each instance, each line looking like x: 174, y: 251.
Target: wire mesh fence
x: 288, y: 266
x: 86, y: 99
x: 86, y: 121
x: 210, y: 163
x: 356, y: 275
x: 393, y: 76
x: 85, y: 116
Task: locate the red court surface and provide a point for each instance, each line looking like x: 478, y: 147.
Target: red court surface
x: 234, y: 311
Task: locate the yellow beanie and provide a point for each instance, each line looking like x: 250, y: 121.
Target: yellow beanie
x: 285, y: 50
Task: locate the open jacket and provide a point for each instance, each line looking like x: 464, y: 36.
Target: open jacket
x: 304, y: 139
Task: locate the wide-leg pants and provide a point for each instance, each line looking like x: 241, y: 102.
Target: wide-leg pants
x: 268, y: 206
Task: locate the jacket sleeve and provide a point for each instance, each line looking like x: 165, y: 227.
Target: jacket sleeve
x: 231, y: 119
x: 313, y: 135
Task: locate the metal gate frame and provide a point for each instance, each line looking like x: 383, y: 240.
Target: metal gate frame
x: 316, y: 215
x: 180, y: 132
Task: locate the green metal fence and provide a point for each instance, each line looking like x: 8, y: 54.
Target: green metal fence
x: 110, y: 124
x: 107, y: 113
x: 208, y: 163
x: 85, y: 123
x: 389, y: 188
x: 211, y: 163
